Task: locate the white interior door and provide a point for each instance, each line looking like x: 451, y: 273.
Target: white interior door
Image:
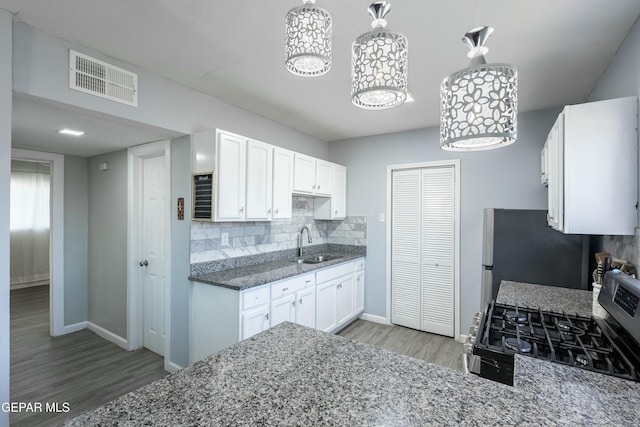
x: 155, y: 210
x: 423, y: 236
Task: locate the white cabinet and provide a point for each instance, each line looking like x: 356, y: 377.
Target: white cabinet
x: 591, y: 154
x: 282, y: 183
x: 311, y: 176
x: 221, y: 316
x: 203, y: 145
x: 254, y: 180
x: 338, y: 297
x: 335, y: 206
x: 259, y: 181
x: 326, y: 317
x: 293, y: 300
x: 230, y: 185
x: 359, y: 286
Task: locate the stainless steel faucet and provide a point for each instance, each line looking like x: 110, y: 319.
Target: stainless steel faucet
x: 300, y: 251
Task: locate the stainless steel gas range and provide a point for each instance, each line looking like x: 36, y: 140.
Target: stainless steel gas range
x: 609, y: 346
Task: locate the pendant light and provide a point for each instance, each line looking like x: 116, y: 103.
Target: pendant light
x: 479, y: 105
x: 379, y: 64
x: 308, y: 40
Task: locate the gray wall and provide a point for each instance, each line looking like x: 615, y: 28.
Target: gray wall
x: 75, y: 239
x: 41, y: 66
x: 620, y: 79
x: 180, y: 231
x: 504, y: 178
x: 107, y: 254
x: 5, y: 168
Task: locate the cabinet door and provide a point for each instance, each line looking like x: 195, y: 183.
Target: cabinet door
x: 326, y: 306
x: 345, y: 293
x: 339, y: 192
x: 203, y: 146
x: 254, y: 321
x: 304, y: 174
x: 306, y: 307
x: 283, y: 310
x: 359, y: 292
x: 555, y: 195
x: 230, y: 177
x: 259, y: 180
x: 323, y: 178
x: 282, y: 183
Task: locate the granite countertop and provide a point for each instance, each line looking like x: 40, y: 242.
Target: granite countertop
x: 547, y: 298
x: 250, y: 276
x: 292, y: 375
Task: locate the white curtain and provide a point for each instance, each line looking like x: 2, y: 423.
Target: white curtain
x: 30, y: 212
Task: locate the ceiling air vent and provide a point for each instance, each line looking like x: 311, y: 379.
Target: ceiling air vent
x: 98, y: 78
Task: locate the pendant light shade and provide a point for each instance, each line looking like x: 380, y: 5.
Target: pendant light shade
x: 308, y: 40
x: 479, y: 105
x: 379, y: 64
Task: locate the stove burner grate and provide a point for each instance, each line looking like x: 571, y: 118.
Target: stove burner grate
x: 515, y: 316
x: 516, y: 344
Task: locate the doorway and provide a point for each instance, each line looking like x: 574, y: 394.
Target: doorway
x: 423, y: 250
x: 149, y: 247
x: 56, y: 240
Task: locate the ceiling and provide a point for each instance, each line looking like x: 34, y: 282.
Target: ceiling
x: 234, y: 51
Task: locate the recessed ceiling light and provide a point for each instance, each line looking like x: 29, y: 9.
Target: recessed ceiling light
x: 71, y: 132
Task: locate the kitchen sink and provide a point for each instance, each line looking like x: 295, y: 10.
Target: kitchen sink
x: 317, y: 259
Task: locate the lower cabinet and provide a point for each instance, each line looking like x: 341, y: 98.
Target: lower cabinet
x: 327, y: 299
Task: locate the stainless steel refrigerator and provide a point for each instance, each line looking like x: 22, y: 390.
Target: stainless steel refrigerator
x: 519, y: 246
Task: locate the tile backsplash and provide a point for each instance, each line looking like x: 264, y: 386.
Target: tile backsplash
x: 250, y: 238
x: 624, y: 247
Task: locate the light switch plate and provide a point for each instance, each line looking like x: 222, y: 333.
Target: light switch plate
x: 225, y: 239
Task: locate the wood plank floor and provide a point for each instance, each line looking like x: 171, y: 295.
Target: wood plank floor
x: 79, y: 368
x: 433, y: 348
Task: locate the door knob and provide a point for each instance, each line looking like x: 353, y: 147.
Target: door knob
x: 144, y: 263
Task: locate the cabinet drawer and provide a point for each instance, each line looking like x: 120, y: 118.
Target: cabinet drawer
x: 334, y: 272
x: 254, y: 297
x: 291, y: 285
x: 359, y: 264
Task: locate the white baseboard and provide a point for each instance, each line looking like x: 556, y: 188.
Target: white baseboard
x: 108, y: 335
x: 171, y: 367
x: 22, y: 285
x: 462, y: 338
x: 375, y: 319
x: 68, y: 329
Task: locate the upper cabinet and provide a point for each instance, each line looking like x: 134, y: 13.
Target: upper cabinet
x: 590, y: 164
x: 334, y: 207
x: 311, y: 176
x: 254, y: 181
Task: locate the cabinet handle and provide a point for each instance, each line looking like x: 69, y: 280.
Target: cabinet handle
x: 269, y: 211
x: 266, y: 316
x: 277, y: 210
x: 318, y: 187
x: 307, y: 281
x: 242, y: 209
x: 314, y: 187
x: 285, y: 289
x: 336, y: 213
x: 293, y: 303
x: 300, y: 301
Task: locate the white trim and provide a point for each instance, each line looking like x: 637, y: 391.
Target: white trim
x: 462, y: 338
x: 375, y: 319
x: 456, y: 164
x: 75, y: 327
x: 172, y: 367
x: 135, y: 309
x: 56, y: 244
x: 108, y: 335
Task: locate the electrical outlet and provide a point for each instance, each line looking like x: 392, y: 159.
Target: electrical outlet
x: 381, y: 217
x: 225, y: 239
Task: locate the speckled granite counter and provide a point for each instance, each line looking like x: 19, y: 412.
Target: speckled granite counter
x: 249, y: 276
x: 291, y: 375
x: 549, y: 298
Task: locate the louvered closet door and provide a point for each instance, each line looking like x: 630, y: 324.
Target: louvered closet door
x: 438, y: 233
x: 405, y: 248
x: 422, y: 249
